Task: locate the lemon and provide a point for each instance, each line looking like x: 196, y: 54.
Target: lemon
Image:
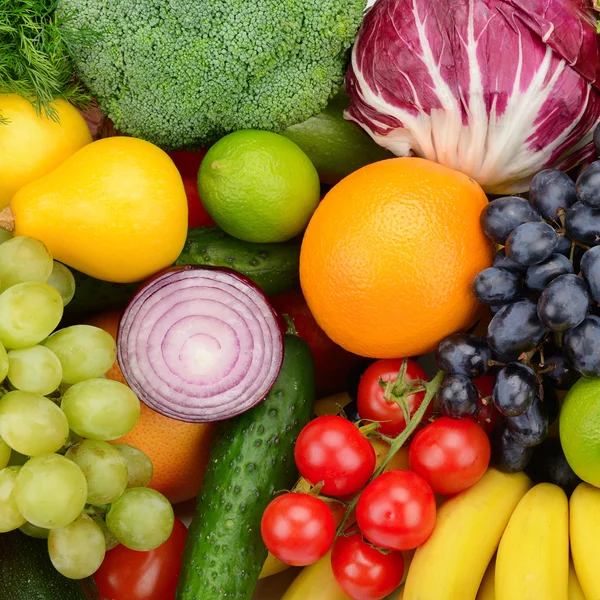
x: 259, y: 186
x: 579, y: 428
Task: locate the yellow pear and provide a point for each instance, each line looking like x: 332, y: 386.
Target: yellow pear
x: 115, y: 210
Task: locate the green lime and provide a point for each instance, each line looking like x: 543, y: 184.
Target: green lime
x: 580, y: 429
x: 259, y: 186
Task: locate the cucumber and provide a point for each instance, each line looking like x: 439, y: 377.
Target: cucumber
x: 26, y: 572
x: 250, y: 461
x: 273, y: 267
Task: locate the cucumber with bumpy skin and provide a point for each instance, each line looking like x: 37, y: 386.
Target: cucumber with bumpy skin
x: 251, y: 460
x: 26, y: 572
x: 273, y: 267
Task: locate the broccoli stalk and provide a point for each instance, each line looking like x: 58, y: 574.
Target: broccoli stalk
x: 183, y: 73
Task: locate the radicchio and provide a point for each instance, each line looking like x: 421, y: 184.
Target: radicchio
x: 497, y: 89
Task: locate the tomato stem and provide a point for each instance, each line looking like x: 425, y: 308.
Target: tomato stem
x: 431, y: 389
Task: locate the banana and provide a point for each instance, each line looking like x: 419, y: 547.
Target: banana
x: 315, y: 581
x: 272, y: 566
x: 487, y: 589
x: 533, y: 556
x: 575, y: 591
x: 585, y: 538
x: 451, y: 563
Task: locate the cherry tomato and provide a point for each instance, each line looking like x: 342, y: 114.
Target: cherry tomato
x: 130, y: 575
x: 450, y: 454
x: 188, y: 164
x: 332, y: 450
x: 298, y: 529
x: 332, y: 362
x: 486, y: 415
x: 374, y: 407
x: 363, y: 572
x: 397, y: 511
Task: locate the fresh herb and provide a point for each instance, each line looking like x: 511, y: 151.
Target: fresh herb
x: 35, y: 56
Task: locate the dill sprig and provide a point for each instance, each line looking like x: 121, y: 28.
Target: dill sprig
x: 34, y: 56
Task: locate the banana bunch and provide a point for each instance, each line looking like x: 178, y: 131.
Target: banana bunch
x: 506, y: 540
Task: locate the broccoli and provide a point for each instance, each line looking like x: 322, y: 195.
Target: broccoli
x: 182, y: 73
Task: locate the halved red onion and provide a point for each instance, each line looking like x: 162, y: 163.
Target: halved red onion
x: 200, y: 344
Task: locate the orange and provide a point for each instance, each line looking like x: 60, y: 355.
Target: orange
x: 179, y: 451
x: 389, y: 256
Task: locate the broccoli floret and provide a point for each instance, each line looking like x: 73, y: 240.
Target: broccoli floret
x: 182, y: 73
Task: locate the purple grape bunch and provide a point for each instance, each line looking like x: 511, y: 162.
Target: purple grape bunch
x: 543, y: 290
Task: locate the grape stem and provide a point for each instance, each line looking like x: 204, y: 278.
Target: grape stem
x: 430, y: 388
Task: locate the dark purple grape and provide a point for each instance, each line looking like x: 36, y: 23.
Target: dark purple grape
x: 540, y: 275
x: 515, y: 389
x: 551, y: 190
x: 564, y: 246
x: 463, y: 354
x: 508, y: 455
x: 562, y: 376
x: 581, y: 346
x: 588, y: 185
x: 500, y: 217
x: 549, y: 465
x: 497, y: 286
x: 597, y: 139
x: 550, y: 402
x: 515, y: 328
x: 531, y: 243
x: 531, y: 427
x: 501, y: 261
x: 590, y: 269
x: 564, y: 303
x: 582, y: 223
x: 458, y: 396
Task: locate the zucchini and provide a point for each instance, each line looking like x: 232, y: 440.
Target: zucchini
x: 26, y: 572
x: 273, y: 267
x: 250, y: 461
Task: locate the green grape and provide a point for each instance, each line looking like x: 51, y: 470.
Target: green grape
x: 35, y: 369
x: 5, y: 452
x: 77, y: 550
x: 5, y: 235
x: 141, y: 519
x: 62, y: 280
x: 101, y: 409
x: 74, y: 438
x: 51, y: 491
x: 23, y: 259
x: 110, y: 540
x: 10, y: 516
x: 31, y: 424
x: 85, y: 352
x: 34, y: 531
x: 3, y: 363
x: 104, y: 467
x: 29, y: 313
x: 139, y: 466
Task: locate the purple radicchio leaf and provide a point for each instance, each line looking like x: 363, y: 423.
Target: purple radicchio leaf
x: 497, y: 89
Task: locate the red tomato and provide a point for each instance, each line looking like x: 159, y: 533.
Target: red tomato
x: 450, y: 454
x: 371, y: 404
x: 298, y: 529
x: 188, y: 164
x: 332, y: 450
x: 363, y: 572
x: 332, y: 362
x: 397, y: 510
x: 130, y: 575
x: 487, y: 416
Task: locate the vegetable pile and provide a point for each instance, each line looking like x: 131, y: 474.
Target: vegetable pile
x: 250, y: 320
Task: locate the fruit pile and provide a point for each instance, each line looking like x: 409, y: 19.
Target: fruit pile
x: 60, y: 478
